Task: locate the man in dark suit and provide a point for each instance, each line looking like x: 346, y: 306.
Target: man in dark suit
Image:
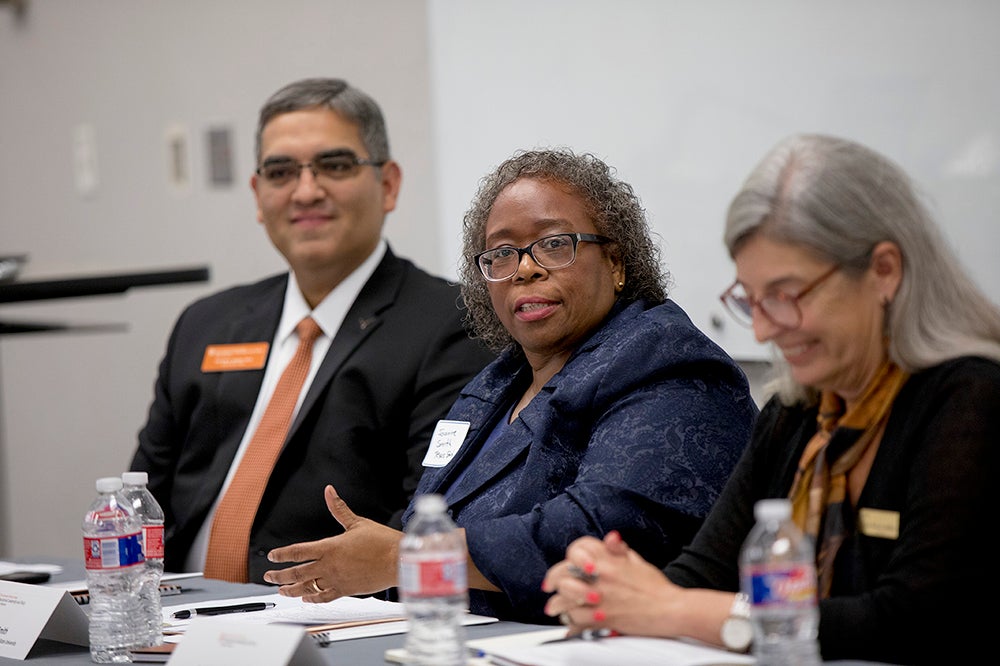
x: 390, y: 360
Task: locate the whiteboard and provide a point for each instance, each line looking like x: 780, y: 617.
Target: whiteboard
x: 683, y: 98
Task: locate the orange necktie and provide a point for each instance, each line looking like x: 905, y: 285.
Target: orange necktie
x: 229, y: 542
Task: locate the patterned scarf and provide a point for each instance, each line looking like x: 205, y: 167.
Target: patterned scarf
x: 819, y: 492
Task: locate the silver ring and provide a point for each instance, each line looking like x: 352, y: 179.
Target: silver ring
x: 565, y: 619
x: 315, y: 586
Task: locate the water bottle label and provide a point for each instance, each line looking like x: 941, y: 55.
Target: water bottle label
x: 152, y: 541
x: 793, y: 585
x: 438, y: 577
x: 113, y: 552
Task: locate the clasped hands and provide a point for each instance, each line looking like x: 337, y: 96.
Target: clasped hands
x: 607, y: 585
x: 362, y: 560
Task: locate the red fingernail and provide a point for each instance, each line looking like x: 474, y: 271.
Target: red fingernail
x: 589, y: 567
x: 599, y: 616
x: 593, y: 597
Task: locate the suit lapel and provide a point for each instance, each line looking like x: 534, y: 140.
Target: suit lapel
x: 490, y: 466
x: 258, y: 323
x: 363, y: 318
x: 493, y: 404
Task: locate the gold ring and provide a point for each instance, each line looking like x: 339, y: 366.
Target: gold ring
x: 315, y: 586
x: 565, y: 619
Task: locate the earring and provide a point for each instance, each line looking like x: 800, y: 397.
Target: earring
x: 621, y: 285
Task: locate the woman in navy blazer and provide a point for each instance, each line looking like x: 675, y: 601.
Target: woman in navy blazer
x: 606, y: 410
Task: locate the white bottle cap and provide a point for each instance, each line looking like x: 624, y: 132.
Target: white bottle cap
x: 430, y: 504
x: 772, y: 509
x: 109, y: 484
x: 135, y: 478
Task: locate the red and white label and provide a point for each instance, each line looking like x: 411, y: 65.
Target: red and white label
x: 152, y: 541
x: 438, y: 576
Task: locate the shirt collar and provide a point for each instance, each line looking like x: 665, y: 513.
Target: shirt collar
x: 331, y: 311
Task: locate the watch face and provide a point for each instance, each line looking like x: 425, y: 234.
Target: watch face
x: 737, y: 633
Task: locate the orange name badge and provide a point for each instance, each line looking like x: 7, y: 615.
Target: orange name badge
x: 237, y: 356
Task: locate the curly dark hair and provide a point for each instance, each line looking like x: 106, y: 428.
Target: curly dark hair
x: 614, y: 209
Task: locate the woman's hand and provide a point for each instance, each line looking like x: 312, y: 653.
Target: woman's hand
x: 605, y: 584
x: 362, y: 560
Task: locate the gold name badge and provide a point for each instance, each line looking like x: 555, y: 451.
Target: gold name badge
x: 879, y: 523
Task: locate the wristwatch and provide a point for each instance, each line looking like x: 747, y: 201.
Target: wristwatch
x: 737, y: 632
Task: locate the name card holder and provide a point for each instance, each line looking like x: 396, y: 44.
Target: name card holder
x: 29, y: 612
x: 214, y: 640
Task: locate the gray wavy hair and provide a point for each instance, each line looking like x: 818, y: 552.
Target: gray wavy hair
x: 614, y: 209
x: 839, y: 199
x: 337, y: 95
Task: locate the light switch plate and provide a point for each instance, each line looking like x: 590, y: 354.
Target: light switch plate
x: 85, y: 159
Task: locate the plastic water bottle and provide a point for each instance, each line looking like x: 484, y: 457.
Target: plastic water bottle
x: 113, y: 557
x: 433, y: 585
x: 778, y: 572
x: 148, y: 510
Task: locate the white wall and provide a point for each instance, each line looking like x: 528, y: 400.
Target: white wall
x: 684, y: 97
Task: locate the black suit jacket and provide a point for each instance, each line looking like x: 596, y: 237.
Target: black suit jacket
x: 393, y: 369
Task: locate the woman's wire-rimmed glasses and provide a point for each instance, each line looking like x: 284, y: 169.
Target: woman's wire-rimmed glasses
x: 782, y: 309
x: 550, y: 252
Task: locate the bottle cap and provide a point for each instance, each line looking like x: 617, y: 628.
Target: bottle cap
x: 430, y: 503
x: 109, y: 484
x: 135, y: 478
x: 772, y: 509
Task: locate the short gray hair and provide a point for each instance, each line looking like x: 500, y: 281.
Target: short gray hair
x: 337, y: 95
x: 838, y: 199
x: 614, y: 209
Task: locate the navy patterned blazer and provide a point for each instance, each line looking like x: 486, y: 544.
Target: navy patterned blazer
x: 637, y: 433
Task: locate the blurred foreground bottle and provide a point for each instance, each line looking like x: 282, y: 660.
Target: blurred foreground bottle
x: 433, y: 585
x: 778, y: 573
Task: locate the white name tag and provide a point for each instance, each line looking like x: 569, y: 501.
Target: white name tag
x: 216, y: 641
x: 445, y: 442
x: 29, y: 612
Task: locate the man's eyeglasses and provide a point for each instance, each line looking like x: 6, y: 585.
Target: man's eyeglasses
x: 780, y: 308
x: 334, y: 165
x: 550, y: 252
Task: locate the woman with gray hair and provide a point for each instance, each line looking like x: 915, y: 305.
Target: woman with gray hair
x: 883, y: 433
x: 606, y: 408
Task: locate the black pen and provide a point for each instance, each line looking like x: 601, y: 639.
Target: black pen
x: 580, y: 574
x: 223, y: 610
x: 585, y: 635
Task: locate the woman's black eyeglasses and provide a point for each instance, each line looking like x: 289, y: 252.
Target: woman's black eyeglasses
x: 550, y: 252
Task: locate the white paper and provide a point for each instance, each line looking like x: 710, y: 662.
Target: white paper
x: 292, y: 610
x: 530, y: 648
x: 81, y: 585
x: 11, y: 567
